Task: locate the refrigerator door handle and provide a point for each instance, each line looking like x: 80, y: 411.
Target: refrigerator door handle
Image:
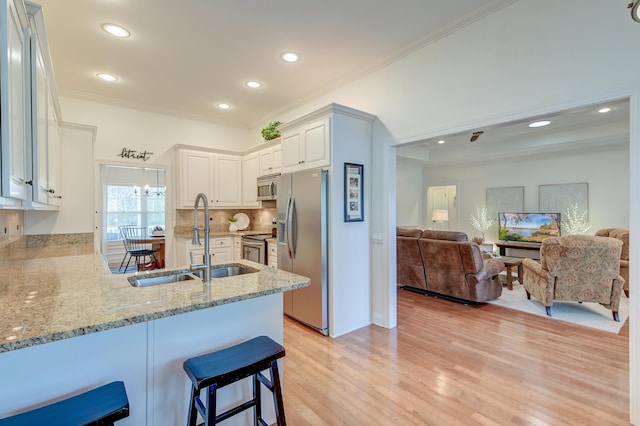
x: 287, y: 222
x: 291, y: 237
x: 272, y: 189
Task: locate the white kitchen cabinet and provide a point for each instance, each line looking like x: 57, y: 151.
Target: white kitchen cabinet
x: 40, y: 127
x: 250, y: 166
x: 221, y: 250
x: 218, y: 176
x: 237, y: 247
x: 14, y: 102
x: 195, y: 175
x: 307, y: 145
x: 227, y: 180
x: 45, y: 131
x: 54, y: 157
x: 270, y: 160
x: 272, y: 254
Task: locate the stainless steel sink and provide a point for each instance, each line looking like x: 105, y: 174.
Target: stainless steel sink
x: 228, y: 271
x: 162, y: 278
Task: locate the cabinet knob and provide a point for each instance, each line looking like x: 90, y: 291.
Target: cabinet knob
x: 29, y: 182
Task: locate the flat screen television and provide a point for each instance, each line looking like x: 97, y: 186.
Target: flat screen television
x: 528, y: 227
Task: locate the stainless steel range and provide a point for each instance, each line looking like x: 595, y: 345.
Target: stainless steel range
x: 254, y: 247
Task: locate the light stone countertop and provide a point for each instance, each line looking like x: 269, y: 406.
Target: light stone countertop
x: 57, y: 292
x: 187, y: 232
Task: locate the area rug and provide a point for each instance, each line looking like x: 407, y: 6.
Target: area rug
x: 587, y: 314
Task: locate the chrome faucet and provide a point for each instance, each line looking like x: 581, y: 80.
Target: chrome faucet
x: 196, y: 238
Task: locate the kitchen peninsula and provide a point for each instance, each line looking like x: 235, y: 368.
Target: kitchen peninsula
x: 68, y: 324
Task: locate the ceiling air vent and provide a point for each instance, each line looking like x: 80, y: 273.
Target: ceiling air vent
x: 476, y: 135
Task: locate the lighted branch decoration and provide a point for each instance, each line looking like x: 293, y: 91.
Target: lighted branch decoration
x: 575, y: 223
x: 482, y: 221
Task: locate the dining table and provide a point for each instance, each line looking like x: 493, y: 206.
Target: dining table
x: 157, y: 244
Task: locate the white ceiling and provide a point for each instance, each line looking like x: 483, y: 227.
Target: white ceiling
x: 184, y: 57
x: 581, y: 128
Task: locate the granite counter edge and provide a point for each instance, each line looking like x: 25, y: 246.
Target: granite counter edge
x: 95, y: 328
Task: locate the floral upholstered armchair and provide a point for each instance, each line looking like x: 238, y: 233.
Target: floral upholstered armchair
x: 581, y: 268
x: 622, y: 235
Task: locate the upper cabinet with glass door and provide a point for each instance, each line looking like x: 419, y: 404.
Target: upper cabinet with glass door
x: 45, y: 110
x: 15, y: 117
x: 29, y: 111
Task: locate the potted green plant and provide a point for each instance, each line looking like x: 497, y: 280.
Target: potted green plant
x: 271, y: 131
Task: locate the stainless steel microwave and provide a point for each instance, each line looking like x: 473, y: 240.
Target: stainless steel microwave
x: 268, y: 187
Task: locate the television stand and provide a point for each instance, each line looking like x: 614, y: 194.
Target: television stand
x: 504, y: 245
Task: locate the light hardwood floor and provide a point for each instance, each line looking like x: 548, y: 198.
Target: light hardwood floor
x: 451, y: 364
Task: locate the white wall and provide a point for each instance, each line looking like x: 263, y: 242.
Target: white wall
x: 606, y: 171
x: 11, y: 225
x: 409, y: 188
x: 77, y: 183
x: 120, y: 127
x: 526, y: 56
x: 349, y: 252
x: 117, y: 128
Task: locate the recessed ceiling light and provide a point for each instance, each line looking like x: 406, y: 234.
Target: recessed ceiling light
x: 116, y: 30
x: 635, y: 10
x: 224, y: 106
x: 253, y: 84
x: 604, y: 110
x: 441, y: 142
x: 107, y: 77
x: 540, y: 123
x: 290, y: 57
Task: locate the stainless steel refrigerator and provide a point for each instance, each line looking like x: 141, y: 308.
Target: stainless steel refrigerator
x: 302, y: 244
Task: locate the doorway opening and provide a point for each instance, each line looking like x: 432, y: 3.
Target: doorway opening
x: 442, y: 207
x: 130, y: 196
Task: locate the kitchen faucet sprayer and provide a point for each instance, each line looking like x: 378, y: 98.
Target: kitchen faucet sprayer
x: 196, y: 238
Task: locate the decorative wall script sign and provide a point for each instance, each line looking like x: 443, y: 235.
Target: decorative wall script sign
x: 135, y: 155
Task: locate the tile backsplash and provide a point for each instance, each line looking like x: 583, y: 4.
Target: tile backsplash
x: 11, y: 225
x: 259, y: 219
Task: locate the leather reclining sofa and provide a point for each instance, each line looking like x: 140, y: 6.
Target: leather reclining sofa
x: 446, y: 263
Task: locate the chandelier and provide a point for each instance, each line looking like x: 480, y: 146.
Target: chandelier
x: 148, y: 192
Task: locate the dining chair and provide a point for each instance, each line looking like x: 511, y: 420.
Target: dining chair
x: 136, y: 244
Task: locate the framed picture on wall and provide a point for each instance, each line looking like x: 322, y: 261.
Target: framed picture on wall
x: 353, y: 192
x: 505, y: 199
x: 558, y: 198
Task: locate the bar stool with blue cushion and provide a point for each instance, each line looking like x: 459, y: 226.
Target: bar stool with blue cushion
x: 101, y: 406
x: 220, y: 368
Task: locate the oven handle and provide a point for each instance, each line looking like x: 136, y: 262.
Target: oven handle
x: 291, y: 237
